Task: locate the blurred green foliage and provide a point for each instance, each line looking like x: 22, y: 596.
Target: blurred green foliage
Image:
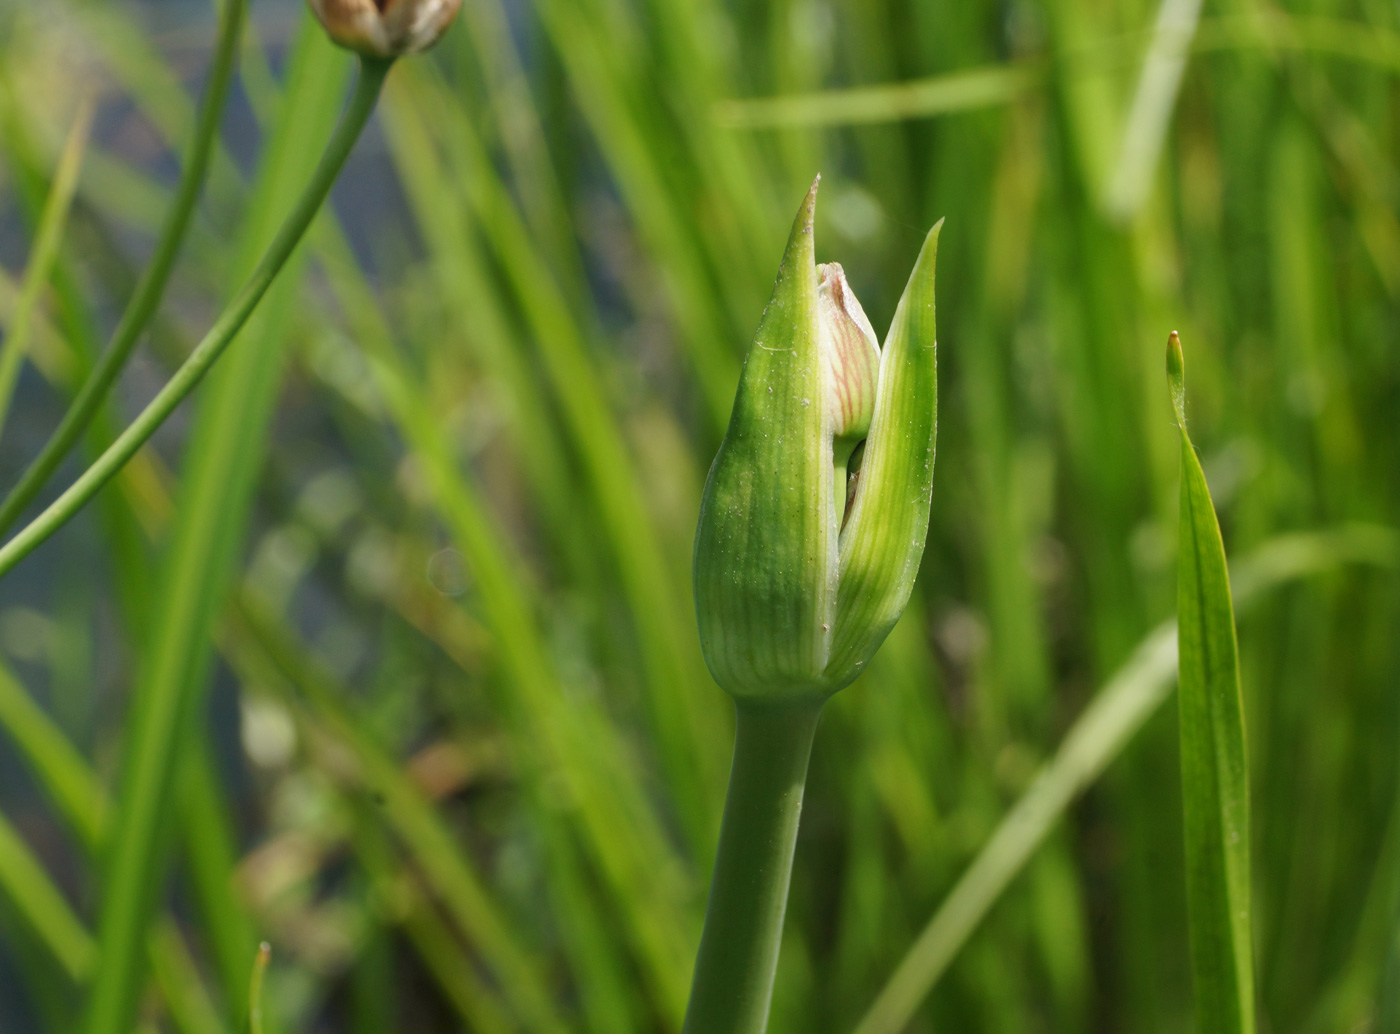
x: 456, y: 756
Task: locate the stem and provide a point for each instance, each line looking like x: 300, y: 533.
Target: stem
x: 744, y: 920
x: 151, y: 287
x: 372, y: 73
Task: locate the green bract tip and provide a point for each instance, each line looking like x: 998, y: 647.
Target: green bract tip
x: 816, y: 508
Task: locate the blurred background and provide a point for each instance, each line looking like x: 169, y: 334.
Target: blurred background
x: 420, y: 546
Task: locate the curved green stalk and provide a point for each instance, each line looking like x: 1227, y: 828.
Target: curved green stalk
x: 372, y: 72
x: 151, y: 287
x: 738, y: 956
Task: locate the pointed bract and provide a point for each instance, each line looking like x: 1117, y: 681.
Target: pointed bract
x: 765, y: 548
x: 883, y: 539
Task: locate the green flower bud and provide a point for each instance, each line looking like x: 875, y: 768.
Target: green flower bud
x: 816, y: 508
x: 385, y: 28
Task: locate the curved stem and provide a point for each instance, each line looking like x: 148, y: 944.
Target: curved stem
x: 738, y: 955
x: 372, y: 73
x: 151, y: 287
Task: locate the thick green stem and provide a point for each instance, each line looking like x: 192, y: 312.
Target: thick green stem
x: 744, y: 921
x: 150, y: 287
x: 372, y: 72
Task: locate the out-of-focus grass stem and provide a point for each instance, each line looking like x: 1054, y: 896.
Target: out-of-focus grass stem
x: 43, y: 255
x: 158, y: 721
x: 1102, y: 732
x: 150, y: 288
x: 220, y: 336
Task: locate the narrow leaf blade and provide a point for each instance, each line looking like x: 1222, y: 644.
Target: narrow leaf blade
x: 1214, y: 771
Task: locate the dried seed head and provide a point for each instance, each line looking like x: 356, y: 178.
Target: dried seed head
x: 385, y: 28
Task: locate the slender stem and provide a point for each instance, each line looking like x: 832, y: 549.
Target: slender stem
x: 738, y: 956
x: 151, y: 287
x: 372, y: 73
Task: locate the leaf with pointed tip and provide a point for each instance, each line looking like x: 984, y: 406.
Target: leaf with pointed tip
x: 1214, y: 770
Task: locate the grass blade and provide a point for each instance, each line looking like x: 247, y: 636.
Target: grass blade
x: 219, y: 337
x: 1214, y: 768
x: 43, y: 255
x: 219, y: 473
x: 151, y: 286
x: 406, y: 905
x: 61, y: 770
x: 1145, y: 128
x: 966, y: 90
x: 83, y: 805
x: 586, y: 746
x: 35, y: 897
x: 999, y: 84
x: 1117, y: 712
x: 463, y: 890
x: 177, y: 975
x: 685, y: 710
x: 1388, y: 1009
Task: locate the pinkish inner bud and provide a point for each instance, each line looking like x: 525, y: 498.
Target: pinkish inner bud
x: 850, y: 353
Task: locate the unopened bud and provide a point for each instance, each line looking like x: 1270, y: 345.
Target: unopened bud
x: 850, y: 355
x: 385, y: 28
x: 803, y: 563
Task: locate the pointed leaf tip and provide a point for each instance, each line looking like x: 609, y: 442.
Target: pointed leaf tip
x: 1214, y: 759
x: 1176, y: 378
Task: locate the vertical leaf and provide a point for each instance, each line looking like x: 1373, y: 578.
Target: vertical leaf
x: 1214, y: 773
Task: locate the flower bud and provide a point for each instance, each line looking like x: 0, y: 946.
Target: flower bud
x: 385, y: 28
x: 816, y: 507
